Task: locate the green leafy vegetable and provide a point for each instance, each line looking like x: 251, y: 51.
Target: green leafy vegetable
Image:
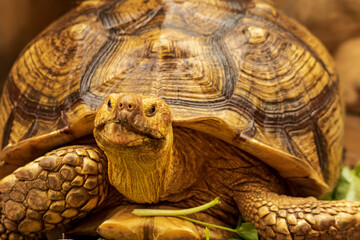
x: 348, y: 186
x: 246, y: 231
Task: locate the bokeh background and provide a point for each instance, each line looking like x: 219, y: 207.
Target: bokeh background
x: 335, y: 22
x: 21, y: 21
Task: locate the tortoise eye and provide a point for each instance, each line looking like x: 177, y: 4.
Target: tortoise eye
x: 151, y: 111
x: 109, y: 104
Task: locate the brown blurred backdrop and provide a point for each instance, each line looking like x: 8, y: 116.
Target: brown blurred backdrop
x: 332, y: 21
x: 21, y: 21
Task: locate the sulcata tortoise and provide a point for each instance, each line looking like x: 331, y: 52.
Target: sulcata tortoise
x: 168, y: 104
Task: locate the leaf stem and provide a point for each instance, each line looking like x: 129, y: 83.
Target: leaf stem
x: 165, y: 212
x: 206, y: 224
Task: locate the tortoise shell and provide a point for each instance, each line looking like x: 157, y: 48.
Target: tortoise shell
x: 238, y: 70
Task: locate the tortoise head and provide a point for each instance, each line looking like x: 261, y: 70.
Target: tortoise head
x: 135, y: 132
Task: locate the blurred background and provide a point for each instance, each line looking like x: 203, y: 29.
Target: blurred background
x: 21, y: 21
x: 335, y: 22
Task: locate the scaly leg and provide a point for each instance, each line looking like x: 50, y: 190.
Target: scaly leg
x: 53, y: 190
x: 283, y: 217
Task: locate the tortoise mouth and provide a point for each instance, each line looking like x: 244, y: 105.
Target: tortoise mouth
x: 121, y: 134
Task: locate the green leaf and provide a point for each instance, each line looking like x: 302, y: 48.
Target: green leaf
x: 247, y: 231
x: 343, y: 184
x: 348, y: 186
x: 357, y: 169
x: 354, y: 189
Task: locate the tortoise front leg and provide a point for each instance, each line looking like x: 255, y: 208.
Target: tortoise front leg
x: 283, y: 217
x: 53, y: 190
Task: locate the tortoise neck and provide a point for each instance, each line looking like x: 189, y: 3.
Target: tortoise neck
x: 141, y: 173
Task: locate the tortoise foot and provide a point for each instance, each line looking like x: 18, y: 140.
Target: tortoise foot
x: 53, y: 190
x: 283, y: 217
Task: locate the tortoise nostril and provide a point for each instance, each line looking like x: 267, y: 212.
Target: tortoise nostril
x: 128, y: 103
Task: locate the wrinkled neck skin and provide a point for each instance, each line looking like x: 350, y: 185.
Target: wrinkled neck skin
x: 142, y: 173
